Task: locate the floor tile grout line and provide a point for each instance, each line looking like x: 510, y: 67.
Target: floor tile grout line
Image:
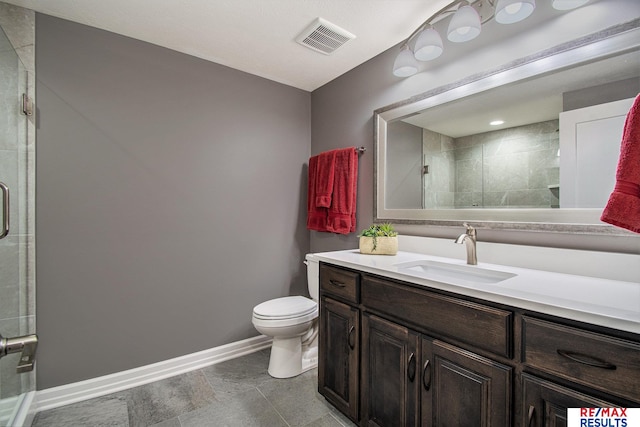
x: 274, y: 408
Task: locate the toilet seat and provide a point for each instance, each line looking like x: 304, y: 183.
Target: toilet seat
x: 285, y: 308
x: 284, y: 312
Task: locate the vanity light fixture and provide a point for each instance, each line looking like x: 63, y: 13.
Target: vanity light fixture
x: 466, y: 21
x: 511, y: 11
x: 428, y: 45
x: 405, y: 64
x: 465, y: 25
x: 496, y: 122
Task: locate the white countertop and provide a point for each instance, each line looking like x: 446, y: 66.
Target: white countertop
x: 609, y: 303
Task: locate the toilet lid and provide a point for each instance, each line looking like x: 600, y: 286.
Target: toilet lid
x: 285, y: 308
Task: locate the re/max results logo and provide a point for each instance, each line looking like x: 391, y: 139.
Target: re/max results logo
x: 603, y: 417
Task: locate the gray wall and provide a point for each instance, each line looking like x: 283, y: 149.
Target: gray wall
x: 171, y: 200
x: 600, y: 94
x: 342, y: 111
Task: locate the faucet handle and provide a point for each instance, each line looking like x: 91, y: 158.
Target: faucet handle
x: 470, y: 230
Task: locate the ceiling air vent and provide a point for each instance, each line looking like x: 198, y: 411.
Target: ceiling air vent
x: 324, y: 37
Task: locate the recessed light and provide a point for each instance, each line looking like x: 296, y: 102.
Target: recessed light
x: 496, y: 122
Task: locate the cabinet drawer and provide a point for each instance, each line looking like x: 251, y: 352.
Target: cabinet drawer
x: 340, y: 283
x: 598, y: 361
x: 485, y: 327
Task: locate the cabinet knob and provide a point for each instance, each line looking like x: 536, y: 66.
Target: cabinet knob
x: 426, y: 369
x: 411, y: 367
x: 350, y: 339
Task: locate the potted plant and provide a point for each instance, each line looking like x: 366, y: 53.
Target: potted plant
x: 379, y: 239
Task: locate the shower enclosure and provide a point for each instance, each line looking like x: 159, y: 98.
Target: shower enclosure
x: 17, y: 299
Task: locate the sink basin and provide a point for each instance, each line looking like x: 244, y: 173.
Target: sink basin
x: 452, y: 273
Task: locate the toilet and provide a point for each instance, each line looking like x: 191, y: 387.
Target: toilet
x: 293, y: 324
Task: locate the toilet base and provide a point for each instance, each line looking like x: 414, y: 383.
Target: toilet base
x: 289, y: 359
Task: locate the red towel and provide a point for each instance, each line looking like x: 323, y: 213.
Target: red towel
x: 342, y: 212
x: 340, y: 216
x: 623, y: 207
x: 324, y: 178
x: 316, y: 216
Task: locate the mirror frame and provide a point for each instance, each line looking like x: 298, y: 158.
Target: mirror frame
x: 615, y: 40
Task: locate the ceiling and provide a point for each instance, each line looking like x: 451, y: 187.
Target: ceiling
x: 530, y: 101
x: 255, y: 36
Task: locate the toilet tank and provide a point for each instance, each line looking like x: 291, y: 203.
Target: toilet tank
x: 313, y: 276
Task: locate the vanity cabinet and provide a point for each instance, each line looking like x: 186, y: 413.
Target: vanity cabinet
x: 339, y: 340
x: 410, y: 378
x: 598, y: 361
x: 461, y: 388
x: 390, y: 373
x: 397, y: 354
x: 544, y: 403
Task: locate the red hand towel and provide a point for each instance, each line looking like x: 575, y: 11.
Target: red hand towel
x: 341, y: 216
x: 623, y: 207
x: 316, y: 216
x: 325, y: 177
x: 354, y: 190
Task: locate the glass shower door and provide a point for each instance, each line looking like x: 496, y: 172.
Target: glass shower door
x: 16, y: 242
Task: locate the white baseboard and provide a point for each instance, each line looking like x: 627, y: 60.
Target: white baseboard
x: 83, y: 390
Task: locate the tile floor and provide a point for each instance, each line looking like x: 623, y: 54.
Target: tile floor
x: 238, y: 392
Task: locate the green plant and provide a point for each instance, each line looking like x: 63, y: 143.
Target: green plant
x: 378, y: 230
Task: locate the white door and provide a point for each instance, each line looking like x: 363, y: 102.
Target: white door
x: 589, y: 150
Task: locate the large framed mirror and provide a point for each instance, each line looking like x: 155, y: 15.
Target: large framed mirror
x: 550, y: 166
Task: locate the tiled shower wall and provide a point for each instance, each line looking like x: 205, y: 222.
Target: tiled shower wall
x: 17, y: 169
x: 516, y: 167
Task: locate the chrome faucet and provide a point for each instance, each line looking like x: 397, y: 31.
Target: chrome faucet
x: 469, y: 239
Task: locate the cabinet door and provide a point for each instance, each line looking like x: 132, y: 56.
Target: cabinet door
x: 545, y: 403
x: 390, y: 373
x: 338, y: 362
x: 460, y: 388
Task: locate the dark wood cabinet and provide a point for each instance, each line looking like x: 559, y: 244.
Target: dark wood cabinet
x: 461, y: 388
x: 601, y: 362
x: 397, y: 354
x: 390, y: 373
x: 338, y: 368
x: 545, y: 404
x: 409, y: 379
x: 476, y: 325
x: 339, y: 341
